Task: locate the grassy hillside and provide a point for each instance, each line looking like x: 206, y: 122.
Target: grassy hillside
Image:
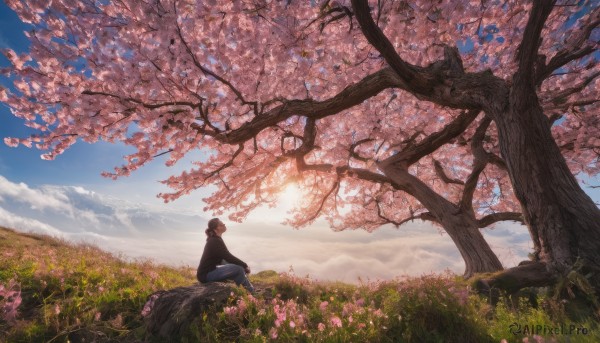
x: 53, y: 291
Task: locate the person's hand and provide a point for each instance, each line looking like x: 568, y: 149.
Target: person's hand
x: 247, y: 270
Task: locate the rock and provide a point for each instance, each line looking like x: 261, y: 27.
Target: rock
x: 169, y: 313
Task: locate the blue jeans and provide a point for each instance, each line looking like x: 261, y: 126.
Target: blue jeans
x: 230, y: 272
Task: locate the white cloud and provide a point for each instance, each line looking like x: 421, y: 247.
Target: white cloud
x: 11, y: 220
x: 37, y: 199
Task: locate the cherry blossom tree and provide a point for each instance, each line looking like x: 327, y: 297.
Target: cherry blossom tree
x: 368, y: 107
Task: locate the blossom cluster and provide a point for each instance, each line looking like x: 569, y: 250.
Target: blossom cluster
x: 10, y: 299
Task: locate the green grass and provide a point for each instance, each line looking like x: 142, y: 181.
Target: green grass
x: 78, y: 292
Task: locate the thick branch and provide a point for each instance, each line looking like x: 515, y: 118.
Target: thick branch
x: 498, y: 217
x: 480, y: 161
x: 513, y: 279
x: 443, y: 82
x: 496, y: 160
x: 528, y: 49
x: 349, y: 97
x: 418, y: 82
x: 430, y: 144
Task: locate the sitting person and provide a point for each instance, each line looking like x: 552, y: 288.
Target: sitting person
x: 211, y: 268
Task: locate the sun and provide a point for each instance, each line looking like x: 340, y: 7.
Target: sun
x: 290, y: 195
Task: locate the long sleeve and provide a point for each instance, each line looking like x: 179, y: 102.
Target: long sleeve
x: 215, y: 251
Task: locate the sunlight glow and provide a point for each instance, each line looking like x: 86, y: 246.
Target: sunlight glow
x: 290, y: 195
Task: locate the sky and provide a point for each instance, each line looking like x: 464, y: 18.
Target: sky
x: 68, y: 198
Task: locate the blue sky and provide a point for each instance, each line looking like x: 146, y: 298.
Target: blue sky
x: 67, y: 197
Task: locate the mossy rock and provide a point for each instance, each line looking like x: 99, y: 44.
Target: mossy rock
x: 170, y: 313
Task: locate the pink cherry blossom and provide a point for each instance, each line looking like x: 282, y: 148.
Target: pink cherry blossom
x: 278, y: 94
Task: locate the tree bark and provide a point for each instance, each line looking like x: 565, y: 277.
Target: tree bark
x: 563, y: 221
x: 461, y: 226
x: 533, y: 274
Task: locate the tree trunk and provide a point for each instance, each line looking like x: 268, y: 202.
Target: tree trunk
x: 460, y: 225
x: 563, y: 220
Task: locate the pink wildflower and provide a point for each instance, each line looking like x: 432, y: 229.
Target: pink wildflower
x: 10, y: 299
x: 281, y: 315
x: 321, y: 327
x: 323, y: 306
x: 230, y: 311
x: 242, y: 305
x: 56, y: 309
x: 348, y: 309
x: 378, y: 313
x: 336, y: 321
x: 292, y: 324
x: 273, y: 333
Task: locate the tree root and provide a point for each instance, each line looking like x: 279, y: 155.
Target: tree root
x: 511, y: 281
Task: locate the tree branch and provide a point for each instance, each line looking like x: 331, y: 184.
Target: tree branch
x: 335, y: 187
x: 418, y: 82
x: 207, y: 71
x: 431, y: 143
x: 228, y: 164
x: 527, y: 52
x: 140, y: 102
x: 439, y: 170
x: 498, y: 217
x: 576, y: 47
x: 480, y: 160
x: 532, y: 274
x: 497, y: 161
x: 356, y: 155
x: 423, y: 216
x: 349, y: 97
x: 562, y: 96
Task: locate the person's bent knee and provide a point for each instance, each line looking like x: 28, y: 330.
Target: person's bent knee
x: 240, y: 272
